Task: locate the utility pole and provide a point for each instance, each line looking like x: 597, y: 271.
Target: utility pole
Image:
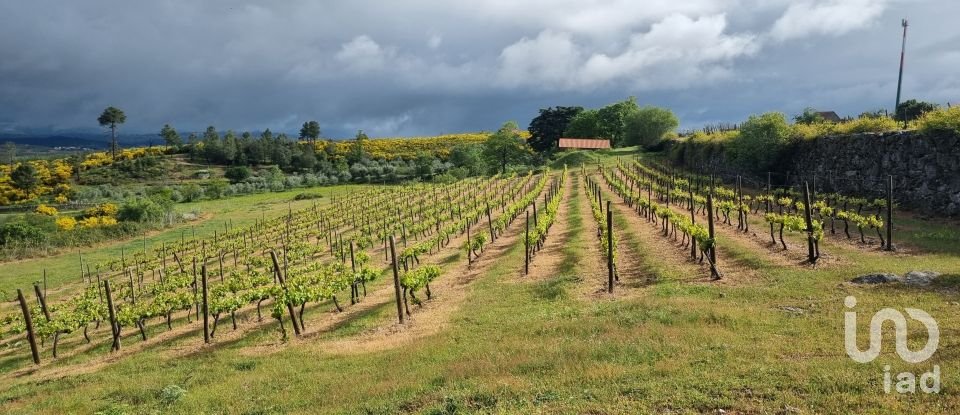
x: 903, y: 48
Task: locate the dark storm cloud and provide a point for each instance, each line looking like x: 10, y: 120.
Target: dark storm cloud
x: 420, y: 67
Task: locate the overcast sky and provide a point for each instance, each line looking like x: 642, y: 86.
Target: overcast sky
x: 427, y: 67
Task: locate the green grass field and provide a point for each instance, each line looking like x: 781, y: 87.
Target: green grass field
x: 768, y: 338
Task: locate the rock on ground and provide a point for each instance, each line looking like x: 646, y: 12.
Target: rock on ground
x: 920, y: 278
x: 880, y: 278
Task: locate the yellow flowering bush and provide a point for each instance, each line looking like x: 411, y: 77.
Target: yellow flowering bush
x: 409, y: 147
x: 939, y: 120
x: 54, y: 175
x: 62, y: 171
x: 46, y: 210
x: 868, y: 125
x: 97, y: 222
x: 104, y: 158
x: 105, y: 209
x: 66, y: 223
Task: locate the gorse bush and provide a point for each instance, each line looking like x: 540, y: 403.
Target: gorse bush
x: 940, y: 121
x: 814, y: 130
x: 66, y: 223
x: 46, y: 210
x: 762, y: 140
x: 867, y: 125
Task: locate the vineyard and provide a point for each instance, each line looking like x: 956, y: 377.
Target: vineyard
x: 486, y: 294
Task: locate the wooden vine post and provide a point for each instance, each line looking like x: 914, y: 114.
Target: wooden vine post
x: 396, y: 280
x: 283, y: 283
x: 490, y: 224
x: 693, y: 221
x: 29, y: 323
x: 890, y: 246
x: 713, y: 249
x: 526, y: 247
x: 353, y: 285
x: 469, y: 246
x: 610, y: 271
x: 811, y: 255
x: 196, y: 287
x: 599, y: 200
x: 43, y: 302
x: 206, y: 305
x: 114, y: 327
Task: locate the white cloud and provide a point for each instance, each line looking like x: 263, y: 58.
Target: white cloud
x: 594, y: 18
x: 676, y: 51
x: 551, y: 58
x: 826, y: 17
x: 363, y: 54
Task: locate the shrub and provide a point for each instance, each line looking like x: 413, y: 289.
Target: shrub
x: 444, y: 178
x: 939, y: 121
x: 46, y: 210
x: 648, y: 125
x: 292, y: 181
x: 216, y: 189
x: 20, y: 232
x: 172, y: 393
x: 459, y: 172
x: 97, y: 222
x: 191, y: 192
x: 237, y: 174
x: 104, y: 209
x: 66, y: 223
x: 868, y: 125
x: 307, y: 196
x: 761, y: 140
x: 809, y: 131
x: 141, y: 210
x: 912, y: 109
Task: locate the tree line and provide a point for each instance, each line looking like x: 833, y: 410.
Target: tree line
x: 624, y: 123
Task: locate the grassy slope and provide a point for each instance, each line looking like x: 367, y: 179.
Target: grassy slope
x: 542, y: 347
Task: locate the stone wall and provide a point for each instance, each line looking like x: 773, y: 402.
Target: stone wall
x: 925, y: 170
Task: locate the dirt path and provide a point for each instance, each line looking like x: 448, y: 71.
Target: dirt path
x: 656, y: 248
x: 628, y: 265
x: 546, y: 262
